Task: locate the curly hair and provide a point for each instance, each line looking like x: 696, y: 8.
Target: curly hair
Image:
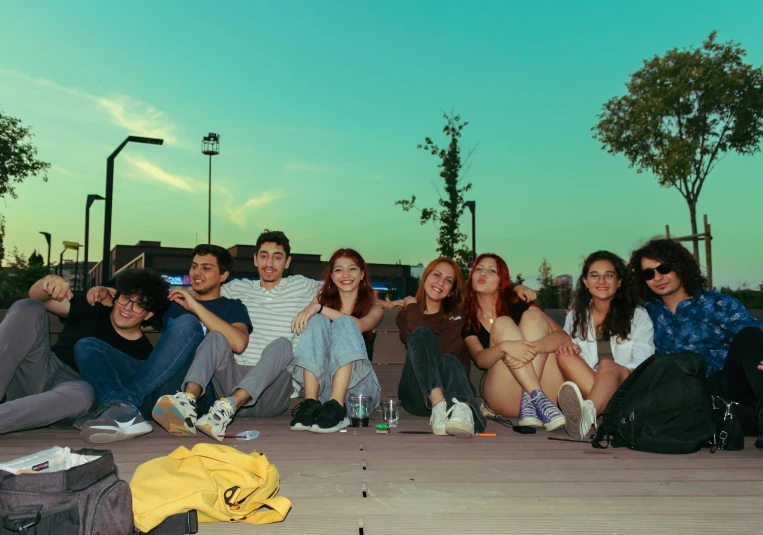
x: 149, y: 285
x: 674, y: 255
x: 617, y: 322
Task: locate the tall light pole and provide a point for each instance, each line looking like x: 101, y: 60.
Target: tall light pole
x: 90, y: 200
x: 210, y: 146
x: 472, y: 206
x: 47, y: 238
x: 106, y: 262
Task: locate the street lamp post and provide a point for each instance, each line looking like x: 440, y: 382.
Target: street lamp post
x: 210, y: 146
x: 74, y: 246
x: 90, y: 200
x: 105, y: 263
x: 47, y: 238
x: 472, y: 206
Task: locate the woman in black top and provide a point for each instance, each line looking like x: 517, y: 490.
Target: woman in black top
x: 515, y: 342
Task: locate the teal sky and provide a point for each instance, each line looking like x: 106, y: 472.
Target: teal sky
x: 320, y: 106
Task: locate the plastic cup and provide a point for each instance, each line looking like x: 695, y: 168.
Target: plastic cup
x: 391, y: 412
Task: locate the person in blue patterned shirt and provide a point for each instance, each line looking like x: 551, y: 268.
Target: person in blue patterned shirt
x: 689, y: 318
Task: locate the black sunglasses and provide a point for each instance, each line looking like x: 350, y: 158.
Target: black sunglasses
x: 662, y: 269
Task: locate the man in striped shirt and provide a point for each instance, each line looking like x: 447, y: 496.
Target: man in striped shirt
x: 256, y: 383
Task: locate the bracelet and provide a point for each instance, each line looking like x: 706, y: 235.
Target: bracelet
x: 320, y: 309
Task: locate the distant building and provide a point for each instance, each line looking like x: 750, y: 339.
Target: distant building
x: 73, y: 272
x: 563, y: 284
x: 173, y: 263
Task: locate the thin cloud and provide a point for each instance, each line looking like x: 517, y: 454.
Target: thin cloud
x: 61, y: 170
x: 237, y: 214
x: 133, y: 115
x: 154, y: 172
x: 301, y: 167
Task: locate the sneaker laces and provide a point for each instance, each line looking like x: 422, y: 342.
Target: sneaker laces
x: 221, y: 410
x: 544, y: 404
x: 464, y: 411
x: 300, y: 405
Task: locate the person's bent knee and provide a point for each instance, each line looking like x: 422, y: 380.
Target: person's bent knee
x: 752, y: 335
x: 187, y: 322
x: 344, y: 322
x: 421, y: 333
x: 607, y: 365
x: 319, y: 320
x: 83, y: 398
x: 87, y: 348
x: 28, y: 306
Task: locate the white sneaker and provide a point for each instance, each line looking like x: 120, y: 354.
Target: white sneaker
x: 215, y: 422
x: 439, y: 418
x: 460, y: 420
x: 579, y: 414
x: 176, y: 414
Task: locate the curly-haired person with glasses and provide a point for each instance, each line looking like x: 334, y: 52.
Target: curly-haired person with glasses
x: 688, y: 317
x: 41, y: 383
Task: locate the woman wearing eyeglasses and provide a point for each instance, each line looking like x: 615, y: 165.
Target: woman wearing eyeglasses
x: 611, y: 335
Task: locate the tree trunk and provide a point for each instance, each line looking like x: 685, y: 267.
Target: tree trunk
x: 695, y: 240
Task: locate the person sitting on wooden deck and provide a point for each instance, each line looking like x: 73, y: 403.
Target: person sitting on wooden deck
x: 255, y: 383
x: 689, y: 318
x: 435, y: 377
x: 515, y: 342
x: 331, y: 360
x: 41, y: 383
x: 611, y: 336
x: 187, y: 321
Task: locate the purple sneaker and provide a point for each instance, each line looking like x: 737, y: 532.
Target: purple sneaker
x: 528, y: 415
x: 550, y: 415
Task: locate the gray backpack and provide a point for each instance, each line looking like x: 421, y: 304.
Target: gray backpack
x: 84, y: 500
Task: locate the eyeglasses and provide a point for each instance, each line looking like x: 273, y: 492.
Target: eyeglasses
x: 662, y: 269
x: 607, y: 277
x: 125, y: 301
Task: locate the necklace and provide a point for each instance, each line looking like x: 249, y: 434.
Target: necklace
x: 491, y: 320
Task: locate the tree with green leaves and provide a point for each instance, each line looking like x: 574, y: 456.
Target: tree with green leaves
x: 683, y: 112
x: 548, y: 295
x: 451, y: 242
x: 18, y: 156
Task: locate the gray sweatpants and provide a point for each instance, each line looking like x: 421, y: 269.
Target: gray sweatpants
x: 268, y: 382
x: 40, y: 389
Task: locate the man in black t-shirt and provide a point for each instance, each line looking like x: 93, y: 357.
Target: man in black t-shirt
x: 41, y: 383
x: 137, y: 386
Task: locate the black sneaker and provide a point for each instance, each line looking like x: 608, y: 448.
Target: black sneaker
x: 332, y: 418
x: 304, y: 415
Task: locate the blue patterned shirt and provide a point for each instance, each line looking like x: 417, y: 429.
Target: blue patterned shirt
x: 703, y: 324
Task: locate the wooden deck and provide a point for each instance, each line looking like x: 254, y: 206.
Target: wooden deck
x: 420, y: 483
x: 409, y: 483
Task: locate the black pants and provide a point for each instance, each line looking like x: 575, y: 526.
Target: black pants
x: 425, y: 370
x: 741, y: 380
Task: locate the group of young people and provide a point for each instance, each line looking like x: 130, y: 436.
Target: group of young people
x: 245, y: 348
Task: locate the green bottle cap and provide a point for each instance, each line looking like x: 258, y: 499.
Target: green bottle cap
x: 381, y: 426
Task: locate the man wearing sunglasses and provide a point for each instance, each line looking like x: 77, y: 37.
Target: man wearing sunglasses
x: 688, y: 317
x: 42, y: 384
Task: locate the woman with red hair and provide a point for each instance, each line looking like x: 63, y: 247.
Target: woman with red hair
x: 435, y: 378
x: 331, y: 359
x: 515, y: 343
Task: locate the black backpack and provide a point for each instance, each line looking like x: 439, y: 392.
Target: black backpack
x: 87, y: 499
x: 662, y: 407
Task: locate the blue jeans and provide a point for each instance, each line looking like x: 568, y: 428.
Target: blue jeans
x: 326, y: 346
x: 119, y: 378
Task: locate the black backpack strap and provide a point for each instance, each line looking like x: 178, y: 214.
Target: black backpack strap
x: 179, y: 524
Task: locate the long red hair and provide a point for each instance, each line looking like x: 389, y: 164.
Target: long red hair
x: 329, y: 294
x: 452, y: 303
x: 506, y: 296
